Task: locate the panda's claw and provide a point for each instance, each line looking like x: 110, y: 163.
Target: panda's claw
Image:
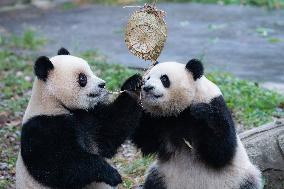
x: 113, y: 178
x: 133, y: 83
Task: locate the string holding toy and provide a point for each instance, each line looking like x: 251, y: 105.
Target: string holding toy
x: 146, y: 32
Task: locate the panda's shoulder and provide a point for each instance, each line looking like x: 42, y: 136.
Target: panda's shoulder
x: 48, y: 119
x: 51, y: 133
x: 218, y: 101
x: 48, y: 124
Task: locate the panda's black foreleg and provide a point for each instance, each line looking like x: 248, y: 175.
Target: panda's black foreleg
x: 89, y: 168
x: 154, y: 180
x: 120, y: 118
x: 117, y: 123
x: 147, y: 135
x: 214, y: 135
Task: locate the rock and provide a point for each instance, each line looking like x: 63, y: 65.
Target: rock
x: 3, y: 166
x: 3, y: 117
x: 265, y: 147
x: 281, y: 143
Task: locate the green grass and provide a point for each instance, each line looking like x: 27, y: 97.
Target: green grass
x: 27, y: 40
x: 16, y: 74
x: 4, y: 183
x: 274, y: 40
x: 138, y: 166
x: 136, y: 169
x: 133, y: 169
x: 69, y: 5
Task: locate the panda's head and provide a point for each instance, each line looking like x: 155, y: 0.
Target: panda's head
x: 170, y: 87
x: 69, y: 80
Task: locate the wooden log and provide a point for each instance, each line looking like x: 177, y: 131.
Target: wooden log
x: 265, y: 147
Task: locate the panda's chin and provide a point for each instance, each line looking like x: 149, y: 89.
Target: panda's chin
x: 152, y: 101
x: 152, y: 96
x: 97, y: 94
x: 95, y: 98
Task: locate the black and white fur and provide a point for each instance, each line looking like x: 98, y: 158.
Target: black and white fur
x: 187, y: 124
x: 71, y: 126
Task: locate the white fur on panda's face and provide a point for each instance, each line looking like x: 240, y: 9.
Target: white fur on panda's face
x: 168, y: 89
x: 63, y: 83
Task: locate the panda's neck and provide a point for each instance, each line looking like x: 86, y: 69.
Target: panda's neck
x: 42, y: 103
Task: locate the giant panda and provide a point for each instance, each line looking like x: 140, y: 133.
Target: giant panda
x: 71, y: 126
x: 186, y: 122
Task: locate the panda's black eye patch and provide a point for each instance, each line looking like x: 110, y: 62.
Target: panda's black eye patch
x: 82, y: 80
x: 165, y: 81
x: 148, y: 78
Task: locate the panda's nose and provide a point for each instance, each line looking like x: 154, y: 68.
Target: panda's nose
x: 102, y: 85
x: 148, y: 88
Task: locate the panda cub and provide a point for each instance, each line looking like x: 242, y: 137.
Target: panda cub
x: 71, y: 126
x: 187, y: 124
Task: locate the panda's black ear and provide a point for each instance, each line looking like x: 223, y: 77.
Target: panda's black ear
x: 42, y: 66
x: 196, y: 68
x: 63, y: 51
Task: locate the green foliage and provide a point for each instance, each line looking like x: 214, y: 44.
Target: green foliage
x: 14, y: 74
x: 134, y: 169
x: 114, y: 74
x: 28, y: 40
x: 4, y: 183
x: 16, y: 80
x: 16, y: 70
x: 69, y: 5
x: 251, y: 104
x: 274, y: 40
x: 138, y: 166
x: 264, y: 32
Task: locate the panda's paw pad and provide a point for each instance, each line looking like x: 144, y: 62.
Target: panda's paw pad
x: 113, y: 178
x: 133, y: 83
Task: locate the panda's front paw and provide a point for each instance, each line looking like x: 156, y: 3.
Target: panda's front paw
x: 133, y: 83
x: 113, y: 178
x: 200, y: 110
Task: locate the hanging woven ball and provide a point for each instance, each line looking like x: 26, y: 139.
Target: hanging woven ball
x: 146, y: 33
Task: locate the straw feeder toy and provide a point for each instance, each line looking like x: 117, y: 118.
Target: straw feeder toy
x: 146, y: 32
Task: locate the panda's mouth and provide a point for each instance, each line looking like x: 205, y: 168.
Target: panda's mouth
x: 93, y: 95
x: 158, y: 96
x: 152, y: 95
